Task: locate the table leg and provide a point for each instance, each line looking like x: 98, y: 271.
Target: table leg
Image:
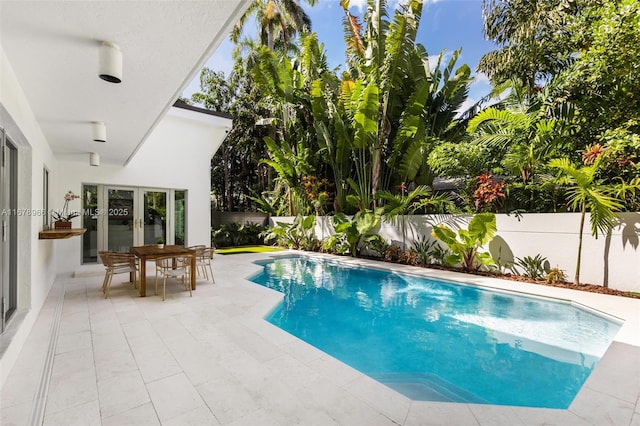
x: 193, y: 271
x: 143, y: 276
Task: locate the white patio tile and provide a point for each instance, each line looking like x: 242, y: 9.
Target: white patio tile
x: 121, y: 392
x: 609, y: 379
x: 546, y: 416
x: 227, y: 399
x: 495, y: 415
x: 16, y: 415
x: 20, y: 386
x: 74, y: 341
x: 140, y: 332
x: 196, y: 417
x: 248, y: 370
x: 174, y: 396
x: 292, y: 372
x: 73, y: 381
x: 389, y: 402
x: 282, y: 403
x: 83, y: 415
x: 440, y: 413
x: 119, y: 361
x: 303, y: 351
x: 334, y: 370
x: 193, y: 358
x: 601, y: 409
x: 254, y: 344
x: 142, y: 415
x: 76, y: 321
x: 155, y: 361
x: 340, y: 405
x: 259, y: 417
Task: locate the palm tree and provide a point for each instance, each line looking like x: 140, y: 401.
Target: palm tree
x: 523, y: 128
x: 281, y: 19
x: 396, y: 104
x: 285, y: 85
x: 588, y: 193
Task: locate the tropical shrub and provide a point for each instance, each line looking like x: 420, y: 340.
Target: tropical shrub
x: 423, y: 249
x: 466, y: 243
x: 236, y: 234
x: 351, y: 236
x: 299, y: 235
x: 532, y: 267
x: 442, y: 255
x: 555, y: 275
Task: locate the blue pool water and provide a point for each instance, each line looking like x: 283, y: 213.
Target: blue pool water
x: 439, y: 341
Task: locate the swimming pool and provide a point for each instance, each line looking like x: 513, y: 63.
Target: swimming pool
x: 439, y: 341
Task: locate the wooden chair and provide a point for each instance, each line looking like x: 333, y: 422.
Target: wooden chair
x: 204, y: 257
x: 117, y: 263
x: 177, y: 267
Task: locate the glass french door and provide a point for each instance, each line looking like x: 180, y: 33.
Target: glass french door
x: 155, y: 204
x: 134, y: 217
x: 8, y: 229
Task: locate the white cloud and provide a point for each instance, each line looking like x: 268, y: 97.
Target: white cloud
x: 468, y: 103
x: 361, y: 5
x: 482, y: 77
x: 433, y: 59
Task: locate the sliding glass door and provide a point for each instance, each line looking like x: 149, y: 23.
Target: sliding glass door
x: 121, y: 221
x: 118, y: 217
x: 8, y: 229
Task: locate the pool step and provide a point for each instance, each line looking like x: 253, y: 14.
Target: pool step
x: 427, y: 387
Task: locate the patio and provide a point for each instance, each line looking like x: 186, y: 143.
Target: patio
x: 211, y: 359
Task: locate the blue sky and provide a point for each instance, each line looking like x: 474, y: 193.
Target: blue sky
x: 445, y: 25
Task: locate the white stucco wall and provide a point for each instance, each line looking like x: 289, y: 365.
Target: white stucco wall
x: 612, y: 259
x: 176, y: 155
x: 36, y: 270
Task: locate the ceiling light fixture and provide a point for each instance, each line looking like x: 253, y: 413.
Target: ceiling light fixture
x: 94, y: 159
x: 99, y: 131
x: 110, y: 63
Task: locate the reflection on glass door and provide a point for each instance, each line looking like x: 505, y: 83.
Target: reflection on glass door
x: 90, y: 223
x: 155, y: 216
x: 130, y: 216
x: 120, y: 219
x: 179, y: 215
x: 8, y: 229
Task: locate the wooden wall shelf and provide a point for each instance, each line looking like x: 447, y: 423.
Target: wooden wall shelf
x: 60, y: 234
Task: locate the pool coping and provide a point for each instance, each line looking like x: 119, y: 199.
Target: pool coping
x: 609, y: 396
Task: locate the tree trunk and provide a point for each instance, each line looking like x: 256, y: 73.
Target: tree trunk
x: 576, y: 280
x: 227, y: 181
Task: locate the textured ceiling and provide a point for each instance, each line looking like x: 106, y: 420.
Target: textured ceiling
x: 52, y: 47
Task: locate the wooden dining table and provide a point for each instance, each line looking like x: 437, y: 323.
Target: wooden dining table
x: 151, y: 252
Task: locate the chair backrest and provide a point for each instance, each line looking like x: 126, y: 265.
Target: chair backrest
x: 207, y: 252
x: 181, y: 261
x: 116, y: 259
x: 103, y: 257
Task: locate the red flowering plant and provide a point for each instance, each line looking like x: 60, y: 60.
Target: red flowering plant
x: 65, y: 215
x: 489, y: 194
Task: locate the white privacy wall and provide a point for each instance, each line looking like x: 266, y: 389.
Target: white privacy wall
x: 176, y: 155
x: 612, y: 260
